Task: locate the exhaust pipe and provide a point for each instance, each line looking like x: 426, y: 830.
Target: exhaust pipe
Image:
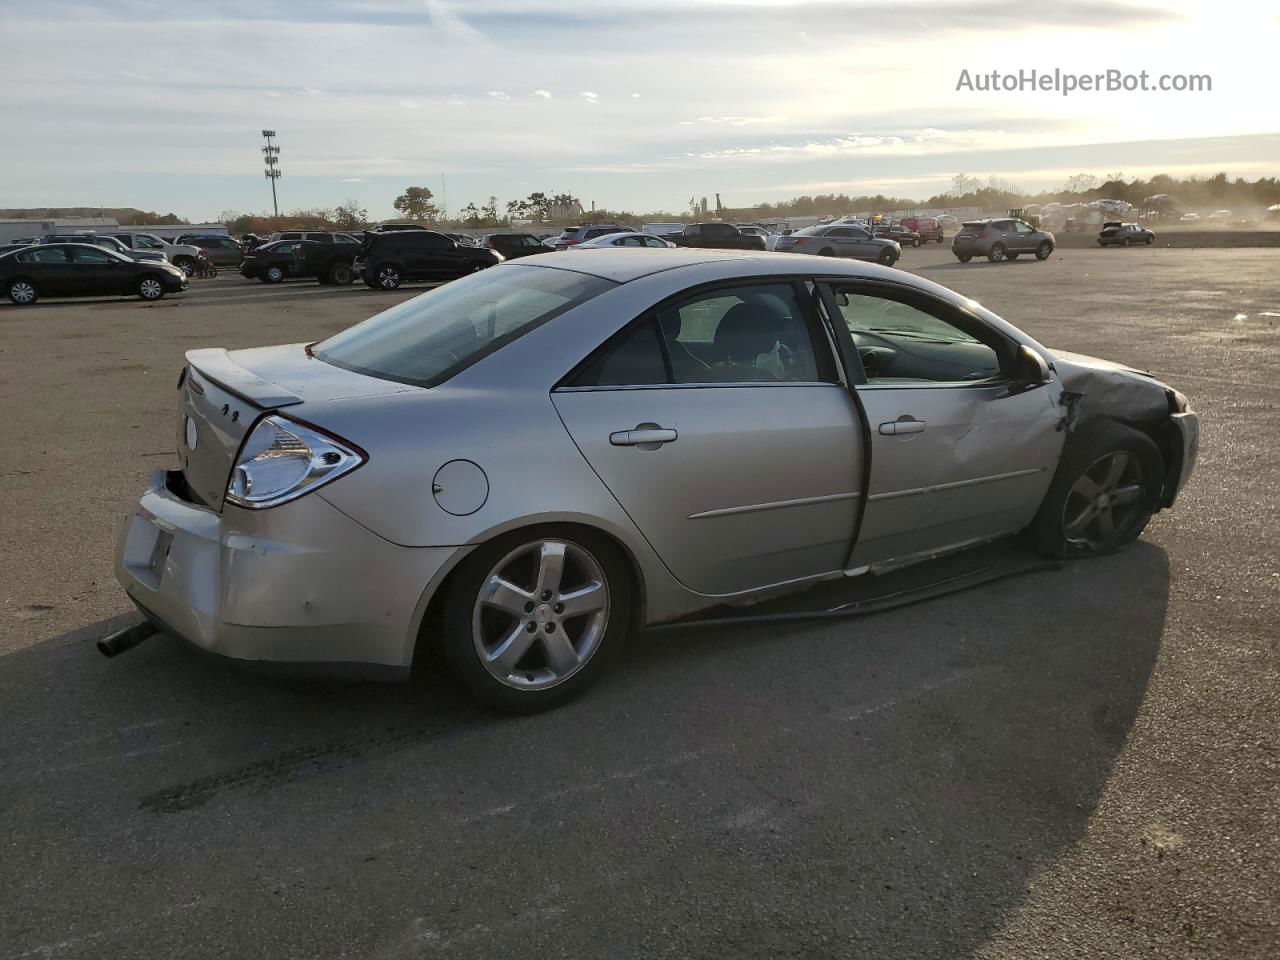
x: 117, y: 643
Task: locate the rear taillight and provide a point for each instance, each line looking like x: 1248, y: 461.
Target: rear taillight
x: 796, y: 240
x: 981, y: 234
x: 572, y: 243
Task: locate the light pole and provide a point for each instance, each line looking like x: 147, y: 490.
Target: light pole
x: 271, y: 155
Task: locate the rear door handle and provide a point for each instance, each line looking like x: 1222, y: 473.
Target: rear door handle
x: 897, y: 427
x: 641, y: 436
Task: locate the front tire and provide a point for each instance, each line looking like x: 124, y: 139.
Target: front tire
x: 1044, y: 251
x: 150, y: 288
x: 532, y: 618
x: 23, y: 292
x: 886, y: 258
x: 273, y: 275
x: 341, y: 274
x: 1102, y: 495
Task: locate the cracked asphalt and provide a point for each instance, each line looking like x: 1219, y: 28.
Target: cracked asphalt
x: 1079, y: 763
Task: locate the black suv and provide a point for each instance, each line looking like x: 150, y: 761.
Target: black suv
x: 282, y: 259
x: 512, y: 245
x: 386, y: 260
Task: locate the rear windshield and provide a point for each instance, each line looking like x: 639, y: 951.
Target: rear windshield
x: 809, y: 232
x: 426, y: 340
x: 974, y: 224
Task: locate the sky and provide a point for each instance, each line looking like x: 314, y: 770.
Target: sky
x: 632, y: 104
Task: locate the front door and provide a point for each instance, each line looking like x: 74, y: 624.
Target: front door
x: 959, y: 451
x: 99, y: 273
x: 719, y: 425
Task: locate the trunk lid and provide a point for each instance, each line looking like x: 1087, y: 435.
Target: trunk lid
x: 224, y: 393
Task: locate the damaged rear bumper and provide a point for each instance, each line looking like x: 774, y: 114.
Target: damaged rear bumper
x: 297, y: 584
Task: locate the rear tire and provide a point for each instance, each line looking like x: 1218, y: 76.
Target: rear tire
x: 387, y: 277
x: 826, y: 252
x: 23, y: 292
x: 964, y: 257
x: 997, y: 253
x: 186, y: 265
x: 474, y: 632
x: 1102, y: 495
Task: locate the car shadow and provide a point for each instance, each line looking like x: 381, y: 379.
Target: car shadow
x: 888, y: 783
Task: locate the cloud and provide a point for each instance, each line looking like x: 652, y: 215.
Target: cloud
x: 353, y: 180
x: 635, y: 96
x: 590, y: 97
x: 408, y: 104
x: 499, y: 95
x: 544, y: 94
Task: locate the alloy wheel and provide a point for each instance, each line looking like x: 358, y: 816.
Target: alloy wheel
x: 1104, y: 502
x: 388, y: 278
x: 22, y: 292
x: 541, y: 614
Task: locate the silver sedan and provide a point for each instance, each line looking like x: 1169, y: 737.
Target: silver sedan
x: 631, y: 240
x: 523, y: 466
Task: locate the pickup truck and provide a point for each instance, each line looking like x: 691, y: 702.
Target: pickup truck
x: 182, y: 256
x: 716, y: 236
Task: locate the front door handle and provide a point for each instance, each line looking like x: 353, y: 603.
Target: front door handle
x: 906, y: 425
x: 645, y: 435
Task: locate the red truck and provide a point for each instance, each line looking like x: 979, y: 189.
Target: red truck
x: 927, y: 227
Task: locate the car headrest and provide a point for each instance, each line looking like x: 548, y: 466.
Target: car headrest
x: 748, y: 329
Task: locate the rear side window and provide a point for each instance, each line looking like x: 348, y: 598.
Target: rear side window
x: 43, y: 255
x: 428, y: 339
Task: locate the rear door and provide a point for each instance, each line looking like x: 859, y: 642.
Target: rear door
x: 742, y: 470
x: 959, y: 452
x: 51, y: 269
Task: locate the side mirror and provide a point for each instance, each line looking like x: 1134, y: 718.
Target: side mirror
x: 1032, y: 370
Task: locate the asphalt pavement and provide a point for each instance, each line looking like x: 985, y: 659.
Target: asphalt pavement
x: 1072, y: 763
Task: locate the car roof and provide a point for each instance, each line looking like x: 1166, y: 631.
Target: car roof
x: 622, y: 265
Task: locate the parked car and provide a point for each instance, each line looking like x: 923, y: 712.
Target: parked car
x: 394, y: 227
x: 1002, y: 238
x: 107, y: 243
x: 572, y: 236
x: 1116, y: 234
x: 929, y: 228
x: 1223, y: 215
x: 327, y: 261
x: 23, y: 241
x: 474, y: 471
x: 222, y: 250
x: 320, y: 236
x: 717, y: 236
x: 513, y: 245
x: 664, y: 230
x: 625, y: 240
x: 841, y: 240
x: 902, y: 235
x: 464, y: 239
x: 83, y: 270
x: 182, y: 256
x: 387, y: 260
x: 754, y: 230
x: 1189, y: 218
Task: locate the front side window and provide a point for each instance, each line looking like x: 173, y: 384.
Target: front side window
x: 93, y: 255
x: 426, y: 340
x: 901, y: 343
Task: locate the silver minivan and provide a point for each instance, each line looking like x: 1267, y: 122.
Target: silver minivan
x: 1004, y: 238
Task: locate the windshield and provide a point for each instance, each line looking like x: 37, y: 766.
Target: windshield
x: 428, y: 339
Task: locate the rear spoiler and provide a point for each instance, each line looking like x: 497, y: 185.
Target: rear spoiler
x: 226, y: 373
